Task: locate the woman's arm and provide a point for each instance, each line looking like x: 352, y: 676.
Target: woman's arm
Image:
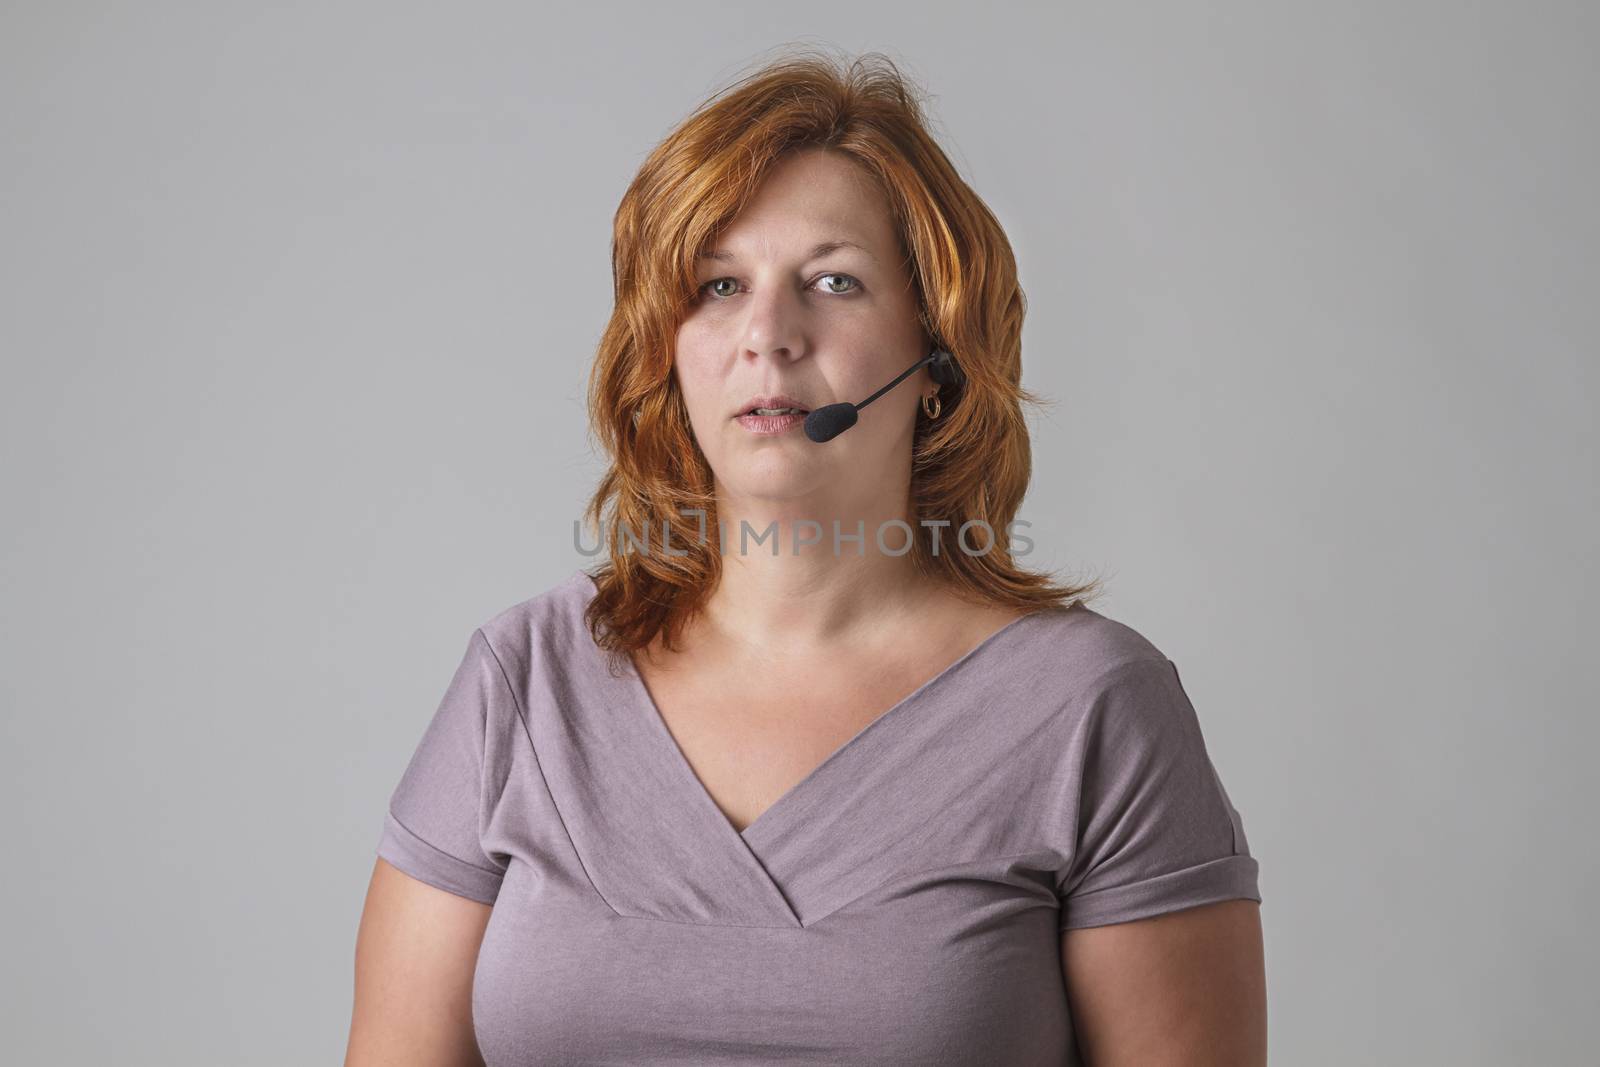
x: 416, y: 950
x: 1183, y: 989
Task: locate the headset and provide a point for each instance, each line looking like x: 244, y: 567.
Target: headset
x: 826, y: 423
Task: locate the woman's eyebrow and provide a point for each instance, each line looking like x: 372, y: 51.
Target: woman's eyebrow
x: 818, y: 252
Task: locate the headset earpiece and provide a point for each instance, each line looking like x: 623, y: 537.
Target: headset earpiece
x: 944, y: 369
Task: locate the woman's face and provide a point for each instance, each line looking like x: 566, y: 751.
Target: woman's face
x: 772, y: 318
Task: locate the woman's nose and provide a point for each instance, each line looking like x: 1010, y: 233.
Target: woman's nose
x: 774, y: 324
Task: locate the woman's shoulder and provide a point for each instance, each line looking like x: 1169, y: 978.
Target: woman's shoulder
x: 1085, y: 645
x: 1101, y: 674
x: 543, y: 628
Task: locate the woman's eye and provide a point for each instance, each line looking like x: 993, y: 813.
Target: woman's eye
x: 709, y: 288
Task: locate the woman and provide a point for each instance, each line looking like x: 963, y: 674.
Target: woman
x: 896, y: 802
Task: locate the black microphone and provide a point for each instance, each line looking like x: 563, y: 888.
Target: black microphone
x: 826, y: 423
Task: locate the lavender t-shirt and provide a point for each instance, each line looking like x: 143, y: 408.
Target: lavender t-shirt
x: 902, y: 904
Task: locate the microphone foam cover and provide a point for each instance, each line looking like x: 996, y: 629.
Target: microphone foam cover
x: 826, y: 423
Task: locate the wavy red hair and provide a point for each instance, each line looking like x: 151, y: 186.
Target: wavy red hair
x: 973, y: 462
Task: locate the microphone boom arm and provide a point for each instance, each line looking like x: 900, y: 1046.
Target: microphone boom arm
x: 902, y: 376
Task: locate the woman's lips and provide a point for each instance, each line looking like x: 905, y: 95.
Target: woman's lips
x: 770, y: 424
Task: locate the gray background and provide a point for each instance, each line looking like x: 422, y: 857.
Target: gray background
x: 298, y: 302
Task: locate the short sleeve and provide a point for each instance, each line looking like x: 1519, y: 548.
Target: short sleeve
x: 437, y: 813
x: 1155, y: 829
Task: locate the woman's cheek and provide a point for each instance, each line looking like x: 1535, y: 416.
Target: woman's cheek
x: 697, y: 381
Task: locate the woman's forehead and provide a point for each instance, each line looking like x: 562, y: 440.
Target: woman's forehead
x: 816, y: 198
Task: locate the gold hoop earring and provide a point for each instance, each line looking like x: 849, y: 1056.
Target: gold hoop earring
x: 938, y: 406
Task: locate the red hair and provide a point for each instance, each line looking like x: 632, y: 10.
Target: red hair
x: 972, y: 463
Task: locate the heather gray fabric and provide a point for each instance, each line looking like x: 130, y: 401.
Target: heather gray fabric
x: 900, y: 905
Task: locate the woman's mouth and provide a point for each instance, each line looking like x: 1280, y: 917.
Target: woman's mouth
x: 772, y: 420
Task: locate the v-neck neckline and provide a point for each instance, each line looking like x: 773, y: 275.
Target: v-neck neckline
x: 640, y: 693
